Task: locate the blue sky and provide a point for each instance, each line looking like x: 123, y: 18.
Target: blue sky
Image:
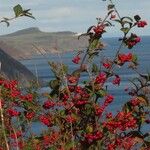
x: 70, y: 15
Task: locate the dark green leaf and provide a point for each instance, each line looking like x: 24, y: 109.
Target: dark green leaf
x: 127, y: 107
x: 95, y: 68
x: 18, y: 10
x: 137, y: 18
x: 110, y: 6
x: 76, y: 73
x: 27, y: 15
x: 110, y: 12
x: 7, y: 23
x: 54, y: 84
x: 89, y: 29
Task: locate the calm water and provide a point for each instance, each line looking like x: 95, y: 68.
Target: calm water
x: 142, y: 50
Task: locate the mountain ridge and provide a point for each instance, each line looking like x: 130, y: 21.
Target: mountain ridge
x: 28, y: 42
x: 34, y: 30
x: 23, y: 31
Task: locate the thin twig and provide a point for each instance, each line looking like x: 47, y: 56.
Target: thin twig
x: 3, y: 124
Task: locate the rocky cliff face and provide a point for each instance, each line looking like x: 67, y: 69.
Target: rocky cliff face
x: 25, y: 42
x: 12, y: 69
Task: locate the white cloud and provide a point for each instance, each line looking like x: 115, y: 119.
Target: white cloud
x: 53, y: 13
x: 73, y: 15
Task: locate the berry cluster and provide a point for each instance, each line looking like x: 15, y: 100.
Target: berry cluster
x: 141, y: 24
x: 132, y: 40
x: 122, y: 58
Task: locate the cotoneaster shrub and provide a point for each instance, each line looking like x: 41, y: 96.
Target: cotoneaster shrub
x: 74, y: 113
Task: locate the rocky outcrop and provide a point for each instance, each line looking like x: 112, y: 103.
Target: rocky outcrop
x: 25, y: 42
x: 12, y: 69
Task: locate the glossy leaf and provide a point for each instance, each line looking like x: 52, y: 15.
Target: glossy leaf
x: 137, y: 18
x: 18, y: 10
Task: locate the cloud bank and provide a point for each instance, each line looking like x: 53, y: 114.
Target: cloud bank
x: 73, y: 15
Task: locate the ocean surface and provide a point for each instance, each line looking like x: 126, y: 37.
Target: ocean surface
x: 39, y: 66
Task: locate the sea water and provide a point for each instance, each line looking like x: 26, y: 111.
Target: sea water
x: 39, y: 66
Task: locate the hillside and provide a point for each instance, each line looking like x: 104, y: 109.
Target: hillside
x: 12, y: 69
x: 24, y: 43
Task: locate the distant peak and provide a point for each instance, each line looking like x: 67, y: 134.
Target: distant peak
x: 25, y: 31
x: 32, y: 29
x: 64, y: 33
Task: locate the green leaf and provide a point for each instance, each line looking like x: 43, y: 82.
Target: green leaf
x: 69, y: 145
x: 18, y: 10
x: 7, y: 23
x: 29, y: 105
x: 111, y: 6
x: 127, y: 107
x: 95, y: 68
x: 64, y: 68
x: 134, y: 58
x: 51, y: 148
x: 27, y: 15
x: 89, y: 29
x: 54, y: 93
x: 88, y: 109
x: 125, y: 30
x: 101, y: 93
x: 93, y: 45
x: 76, y: 73
x: 54, y: 84
x: 62, y: 113
x: 89, y: 129
x: 137, y: 18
